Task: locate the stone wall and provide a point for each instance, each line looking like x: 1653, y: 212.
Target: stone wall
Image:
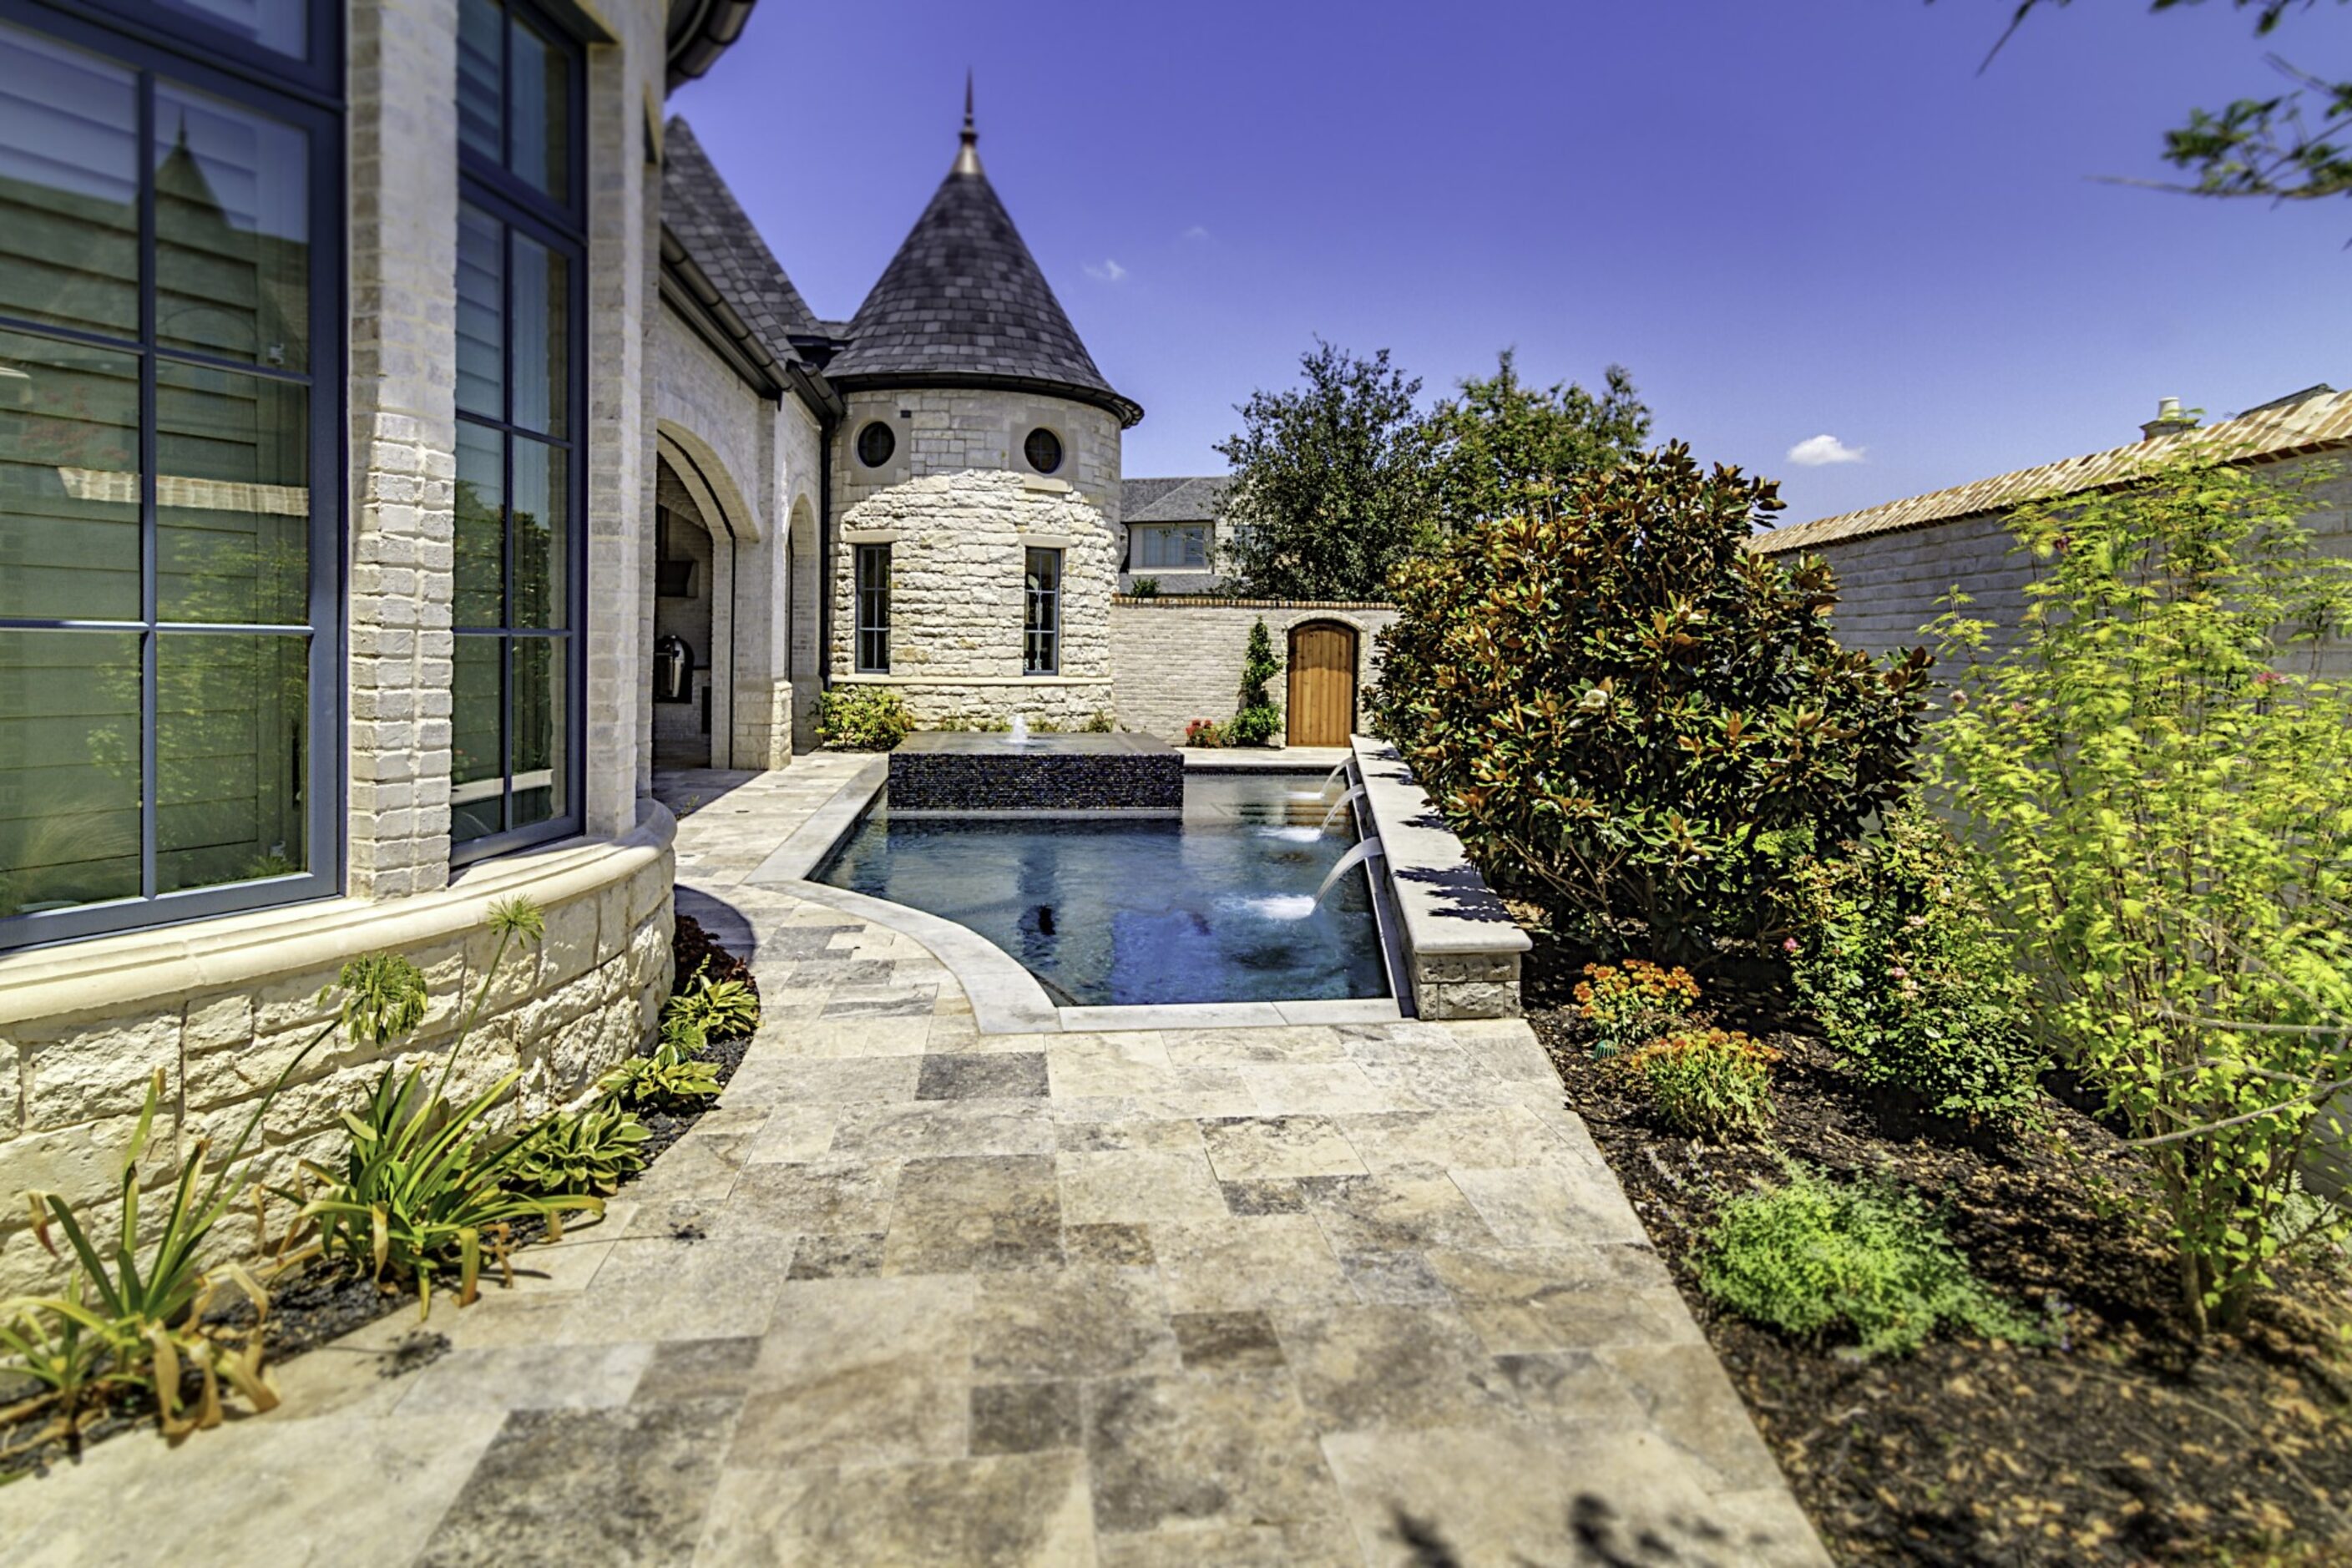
x: 1891, y: 585
x: 1177, y: 659
x: 960, y: 509
x: 220, y: 1007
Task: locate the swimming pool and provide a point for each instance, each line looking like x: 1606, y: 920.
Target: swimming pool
x: 1218, y: 905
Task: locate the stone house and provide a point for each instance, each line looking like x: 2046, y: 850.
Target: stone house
x: 407, y: 442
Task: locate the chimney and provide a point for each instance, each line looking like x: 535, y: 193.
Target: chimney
x: 2168, y: 421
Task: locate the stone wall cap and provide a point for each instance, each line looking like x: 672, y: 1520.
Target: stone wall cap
x: 1447, y: 905
x: 1226, y: 602
x: 131, y: 970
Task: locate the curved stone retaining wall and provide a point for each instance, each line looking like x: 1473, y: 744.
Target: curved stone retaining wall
x: 221, y: 1006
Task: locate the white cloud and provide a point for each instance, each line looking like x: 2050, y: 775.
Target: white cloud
x: 1196, y: 233
x: 1108, y: 272
x: 1816, y: 450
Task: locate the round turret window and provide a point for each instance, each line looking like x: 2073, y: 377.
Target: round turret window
x: 875, y: 444
x: 1044, y: 450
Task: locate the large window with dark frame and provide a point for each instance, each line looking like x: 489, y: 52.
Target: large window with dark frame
x: 516, y: 717
x: 873, y: 609
x: 1041, y: 621
x: 171, y: 461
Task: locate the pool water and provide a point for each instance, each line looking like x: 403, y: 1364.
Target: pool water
x: 1217, y: 907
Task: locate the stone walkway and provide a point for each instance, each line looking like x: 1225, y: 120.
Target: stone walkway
x: 919, y: 1294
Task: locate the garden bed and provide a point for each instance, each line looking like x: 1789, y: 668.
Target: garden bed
x: 323, y: 1300
x: 2126, y: 1442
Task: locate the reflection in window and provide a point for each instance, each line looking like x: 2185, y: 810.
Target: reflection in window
x: 161, y: 391
x: 519, y: 276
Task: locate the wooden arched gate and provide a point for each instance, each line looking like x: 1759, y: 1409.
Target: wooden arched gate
x: 1322, y: 707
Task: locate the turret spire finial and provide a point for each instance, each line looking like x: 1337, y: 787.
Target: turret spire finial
x: 968, y: 156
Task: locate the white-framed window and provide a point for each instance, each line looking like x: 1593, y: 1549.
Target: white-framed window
x: 1040, y: 620
x: 873, y: 609
x: 1169, y: 547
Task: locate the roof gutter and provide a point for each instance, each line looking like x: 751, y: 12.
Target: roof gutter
x: 700, y: 32
x: 774, y: 377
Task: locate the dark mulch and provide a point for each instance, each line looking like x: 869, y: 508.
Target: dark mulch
x: 323, y: 1301
x: 2128, y: 1442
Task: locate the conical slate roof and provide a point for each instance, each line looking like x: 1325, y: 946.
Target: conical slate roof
x: 964, y: 304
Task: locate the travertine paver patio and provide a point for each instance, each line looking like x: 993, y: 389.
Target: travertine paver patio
x: 917, y: 1294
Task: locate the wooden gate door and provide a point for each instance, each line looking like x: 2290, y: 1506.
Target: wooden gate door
x: 1322, y: 684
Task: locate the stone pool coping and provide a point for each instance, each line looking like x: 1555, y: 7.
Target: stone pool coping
x: 1006, y: 999
x: 1462, y: 946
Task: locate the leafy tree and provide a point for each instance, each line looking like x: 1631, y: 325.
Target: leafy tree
x: 1258, y: 719
x: 2293, y: 146
x: 2161, y: 798
x: 1621, y: 709
x: 1328, y: 478
x: 1504, y: 447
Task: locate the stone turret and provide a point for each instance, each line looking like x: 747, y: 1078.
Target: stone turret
x: 981, y: 445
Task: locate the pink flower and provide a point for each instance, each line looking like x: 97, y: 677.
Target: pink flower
x: 1789, y: 944
x: 2269, y: 677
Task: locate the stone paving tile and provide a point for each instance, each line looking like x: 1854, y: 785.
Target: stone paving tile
x: 872, y: 1371
x: 1021, y: 1511
x: 1124, y: 1187
x: 1361, y: 1368
x: 1292, y: 1293
x: 1084, y: 1320
x: 975, y: 1212
x: 1025, y: 1417
x: 1228, y: 1447
x: 1259, y: 1147
x: 995, y: 1076
x: 625, y: 1486
x: 1403, y: 1211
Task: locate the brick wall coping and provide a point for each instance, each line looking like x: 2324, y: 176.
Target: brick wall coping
x: 1220, y: 602
x: 123, y: 973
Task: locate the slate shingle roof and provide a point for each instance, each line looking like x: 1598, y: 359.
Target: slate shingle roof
x: 1194, y: 499
x: 963, y: 302
x: 2317, y: 417
x: 698, y: 208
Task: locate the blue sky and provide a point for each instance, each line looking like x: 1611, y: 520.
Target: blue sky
x: 1789, y: 220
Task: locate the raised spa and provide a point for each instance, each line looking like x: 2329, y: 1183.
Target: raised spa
x: 1216, y: 904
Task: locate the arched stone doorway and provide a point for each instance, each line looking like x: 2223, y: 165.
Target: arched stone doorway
x: 1322, y: 707
x: 693, y: 564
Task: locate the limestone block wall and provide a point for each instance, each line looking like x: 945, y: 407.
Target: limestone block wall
x: 1891, y: 585
x: 960, y: 509
x: 1177, y: 659
x: 222, y: 1006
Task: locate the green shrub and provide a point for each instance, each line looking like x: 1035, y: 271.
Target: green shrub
x: 1624, y: 712
x: 1626, y: 1004
x: 2161, y: 795
x: 668, y: 1077
x: 1258, y: 719
x: 421, y: 1188
x: 1913, y: 982
x: 719, y: 1009
x: 1865, y: 1263
x: 1098, y: 723
x: 1706, y: 1083
x: 579, y: 1152
x: 1143, y: 588
x: 1203, y: 732
x: 124, y: 1320
x: 862, y: 718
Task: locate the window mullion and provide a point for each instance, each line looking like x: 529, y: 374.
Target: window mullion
x: 150, y: 597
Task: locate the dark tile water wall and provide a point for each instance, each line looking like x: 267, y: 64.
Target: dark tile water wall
x: 962, y: 772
